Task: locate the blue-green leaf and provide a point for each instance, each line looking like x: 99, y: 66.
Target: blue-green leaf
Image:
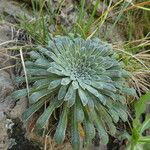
x: 32, y: 109
x: 83, y: 97
x: 42, y: 62
x: 114, y: 115
x: 69, y: 94
x: 54, y: 84
x: 65, y: 81
x: 129, y: 91
x: 75, y: 85
x: 34, y: 55
x: 79, y: 111
x: 62, y: 92
x: 19, y: 94
x: 89, y: 131
x: 75, y: 138
x: 44, y: 118
x: 102, y: 133
x: 34, y: 97
x: 62, y: 125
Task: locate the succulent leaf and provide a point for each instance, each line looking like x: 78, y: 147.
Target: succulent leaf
x: 89, y: 131
x: 32, y: 109
x: 62, y: 92
x: 34, y: 97
x: 43, y: 119
x: 19, y: 94
x: 82, y: 79
x: 62, y: 125
x: 75, y: 137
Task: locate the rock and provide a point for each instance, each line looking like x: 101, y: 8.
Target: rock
x: 3, y: 132
x: 100, y: 147
x: 5, y: 40
x: 4, y: 34
x: 6, y: 103
x: 6, y: 125
x: 6, y: 86
x: 10, y: 11
x: 17, y: 139
x: 13, y: 8
x: 68, y: 14
x: 111, y: 34
x: 20, y: 107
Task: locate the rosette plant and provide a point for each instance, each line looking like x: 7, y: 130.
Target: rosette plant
x: 83, y: 81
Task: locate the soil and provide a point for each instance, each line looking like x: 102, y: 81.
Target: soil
x: 18, y: 133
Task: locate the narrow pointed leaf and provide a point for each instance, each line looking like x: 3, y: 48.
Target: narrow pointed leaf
x: 62, y: 92
x: 102, y: 133
x: 75, y: 138
x: 19, y: 94
x: 44, y: 118
x: 89, y: 131
x: 129, y: 91
x: 62, y: 125
x: 70, y: 94
x: 83, y: 97
x: 32, y: 109
x: 38, y: 95
x: 80, y: 112
x: 65, y: 81
x: 75, y: 85
x: 34, y: 55
x: 54, y: 84
x: 42, y: 62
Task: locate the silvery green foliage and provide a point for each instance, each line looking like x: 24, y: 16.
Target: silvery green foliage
x: 83, y: 80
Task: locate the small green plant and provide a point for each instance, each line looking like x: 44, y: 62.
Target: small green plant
x: 137, y: 140
x: 83, y: 80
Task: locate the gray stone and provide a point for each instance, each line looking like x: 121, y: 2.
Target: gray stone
x: 13, y: 8
x: 4, y: 34
x: 3, y: 132
x: 6, y: 86
x: 9, y: 11
x: 5, y: 124
x: 6, y: 103
x: 111, y: 34
x: 20, y: 107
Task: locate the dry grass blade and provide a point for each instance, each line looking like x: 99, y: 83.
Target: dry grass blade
x: 24, y: 69
x: 143, y: 56
x: 140, y: 82
x: 139, y: 5
x: 134, y: 57
x: 92, y: 34
x: 100, y: 21
x: 8, y: 67
x: 7, y: 42
x: 7, y: 55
